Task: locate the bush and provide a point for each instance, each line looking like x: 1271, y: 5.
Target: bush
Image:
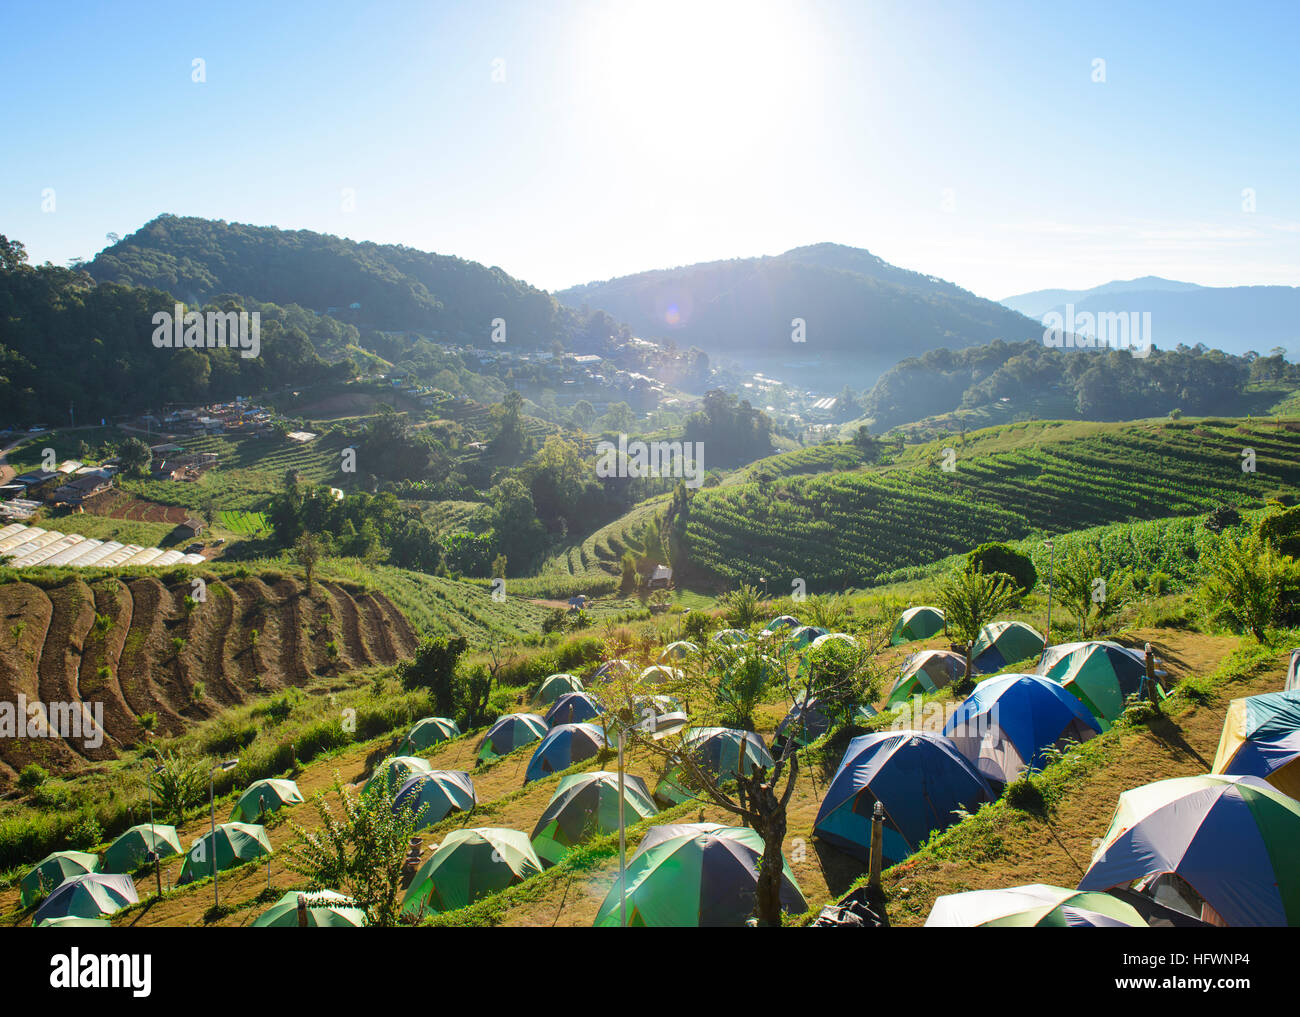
x: 32, y: 777
x: 994, y: 557
x: 1282, y: 530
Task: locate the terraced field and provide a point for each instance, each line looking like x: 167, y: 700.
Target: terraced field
x: 853, y: 527
x: 593, y: 566
x: 136, y: 647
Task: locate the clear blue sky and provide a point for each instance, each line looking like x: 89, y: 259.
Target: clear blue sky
x: 967, y: 140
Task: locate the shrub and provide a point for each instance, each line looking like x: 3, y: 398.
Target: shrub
x: 994, y: 557
x: 32, y: 777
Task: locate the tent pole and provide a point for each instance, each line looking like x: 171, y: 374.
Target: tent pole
x: 622, y: 840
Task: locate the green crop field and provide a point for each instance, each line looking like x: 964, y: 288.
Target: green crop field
x: 857, y: 527
x: 246, y: 524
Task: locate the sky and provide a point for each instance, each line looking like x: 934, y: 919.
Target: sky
x: 568, y: 140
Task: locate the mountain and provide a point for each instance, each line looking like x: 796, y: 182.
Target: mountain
x: 850, y: 300
x: 1236, y: 319
x: 372, y: 286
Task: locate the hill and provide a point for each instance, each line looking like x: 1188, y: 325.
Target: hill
x: 857, y: 527
x: 134, y: 644
x: 1237, y: 319
x: 371, y: 286
x: 851, y: 300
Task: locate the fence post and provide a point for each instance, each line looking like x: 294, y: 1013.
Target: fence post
x: 877, y: 844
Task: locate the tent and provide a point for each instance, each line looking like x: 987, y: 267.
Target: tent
x: 917, y: 623
x: 806, y: 723
x: 1009, y: 722
x: 235, y: 843
x: 926, y: 671
x: 695, y: 875
x: 438, y: 792
x: 394, y: 771
x: 782, y: 624
x: 1293, y: 673
x: 262, y: 797
x: 572, y: 708
x: 470, y: 864
x: 586, y: 805
x: 562, y: 747
x: 658, y: 674
x: 611, y: 668
x: 679, y: 650
x: 801, y: 638
x: 323, y: 911
x: 88, y: 896
x: 51, y: 871
x: 921, y: 780
x: 1216, y: 847
x: 729, y: 637
x: 430, y: 731
x: 509, y: 733
x: 1034, y: 906
x: 132, y: 848
x: 723, y: 751
x: 557, y: 685
x: 1003, y: 643
x: 1261, y: 738
x: 1100, y: 673
x: 73, y: 922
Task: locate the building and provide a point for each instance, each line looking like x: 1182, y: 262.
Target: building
x: 38, y: 483
x: 191, y: 527
x: 661, y: 578
x: 77, y: 490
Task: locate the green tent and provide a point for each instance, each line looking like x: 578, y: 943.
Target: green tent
x: 660, y: 674
x: 396, y: 771
x: 730, y: 637
x: 723, y: 751
x: 262, y: 797
x: 585, y: 805
x: 926, y: 671
x: 781, y: 625
x: 1036, y: 906
x: 557, y: 685
x: 917, y: 623
x: 439, y: 793
x: 430, y: 731
x: 695, y: 875
x: 89, y: 895
x: 323, y: 911
x: 51, y: 871
x: 801, y: 638
x: 679, y: 650
x: 469, y: 865
x: 235, y: 843
x: 1002, y: 643
x: 73, y: 922
x: 1100, y: 673
x: 509, y: 733
x: 131, y: 849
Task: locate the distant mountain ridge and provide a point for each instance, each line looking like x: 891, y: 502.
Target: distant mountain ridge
x: 849, y: 299
x: 1236, y: 319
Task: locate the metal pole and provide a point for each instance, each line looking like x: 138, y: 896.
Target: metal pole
x: 1051, y: 560
x: 877, y: 844
x: 622, y: 841
x: 212, y: 840
x: 153, y: 837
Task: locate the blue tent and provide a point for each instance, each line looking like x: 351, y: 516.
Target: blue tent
x: 918, y: 777
x: 572, y: 708
x: 1008, y: 722
x: 562, y: 747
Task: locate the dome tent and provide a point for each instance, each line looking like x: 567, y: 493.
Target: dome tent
x: 573, y: 708
x: 131, y: 849
x: 262, y: 797
x: 917, y: 623
x: 679, y: 650
x: 52, y: 871
x: 926, y: 671
x: 1101, y: 674
x: 509, y: 733
x: 438, y: 792
x: 1261, y: 738
x: 90, y: 895
x: 1002, y: 643
x: 562, y: 747
x: 325, y: 909
x: 235, y: 843
x: 586, y: 805
x: 806, y: 722
x: 722, y: 751
x: 1035, y: 906
x: 918, y: 777
x: 556, y: 686
x: 1171, y: 838
x: 468, y: 865
x: 430, y: 731
x: 395, y: 771
x: 1009, y: 722
x: 695, y: 875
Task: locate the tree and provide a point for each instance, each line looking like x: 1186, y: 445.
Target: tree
x: 741, y: 605
x: 969, y: 601
x: 994, y: 557
x: 434, y: 668
x: 308, y: 550
x: 1092, y: 586
x: 359, y: 852
x: 135, y: 457
x: 1247, y: 579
